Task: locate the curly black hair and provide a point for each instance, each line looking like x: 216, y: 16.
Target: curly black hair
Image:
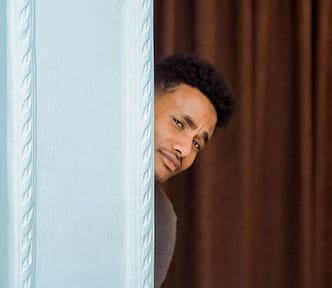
x: 191, y: 70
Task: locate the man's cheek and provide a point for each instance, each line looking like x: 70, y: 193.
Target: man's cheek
x: 187, y: 165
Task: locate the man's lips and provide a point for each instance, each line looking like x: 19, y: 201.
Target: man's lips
x: 170, y: 160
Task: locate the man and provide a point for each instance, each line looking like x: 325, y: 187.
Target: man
x: 191, y: 100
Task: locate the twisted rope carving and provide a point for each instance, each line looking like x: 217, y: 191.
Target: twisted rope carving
x: 146, y: 137
x: 24, y: 28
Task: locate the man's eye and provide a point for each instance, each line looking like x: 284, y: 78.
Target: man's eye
x: 197, y: 145
x: 178, y: 123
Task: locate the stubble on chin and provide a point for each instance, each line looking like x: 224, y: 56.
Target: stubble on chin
x: 160, y: 179
x: 157, y: 178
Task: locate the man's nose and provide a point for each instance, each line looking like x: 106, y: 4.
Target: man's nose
x: 183, y: 146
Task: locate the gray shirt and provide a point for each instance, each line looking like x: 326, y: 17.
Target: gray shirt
x: 165, y: 234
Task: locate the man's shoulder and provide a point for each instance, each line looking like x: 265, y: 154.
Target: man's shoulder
x: 164, y: 208
x: 165, y: 224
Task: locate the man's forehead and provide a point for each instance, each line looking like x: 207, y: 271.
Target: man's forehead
x: 188, y: 101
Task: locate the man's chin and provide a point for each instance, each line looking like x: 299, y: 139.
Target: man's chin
x: 160, y: 178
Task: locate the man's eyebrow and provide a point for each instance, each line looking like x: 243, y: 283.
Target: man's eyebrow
x: 189, y: 121
x: 193, y: 125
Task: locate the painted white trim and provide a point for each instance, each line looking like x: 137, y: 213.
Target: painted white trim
x: 21, y: 143
x: 20, y: 190
x: 139, y: 140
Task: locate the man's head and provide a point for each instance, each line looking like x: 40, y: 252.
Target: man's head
x: 191, y: 99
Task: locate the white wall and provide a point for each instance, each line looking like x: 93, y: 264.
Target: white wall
x: 76, y: 144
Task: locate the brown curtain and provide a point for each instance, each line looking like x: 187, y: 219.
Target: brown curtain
x: 256, y: 209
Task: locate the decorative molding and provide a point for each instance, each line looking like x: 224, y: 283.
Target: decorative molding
x: 22, y: 145
x: 25, y: 109
x: 147, y: 177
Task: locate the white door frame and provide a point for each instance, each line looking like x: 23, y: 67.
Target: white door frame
x: 19, y: 138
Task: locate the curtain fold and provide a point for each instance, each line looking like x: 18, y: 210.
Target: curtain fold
x: 255, y: 210
x: 322, y: 90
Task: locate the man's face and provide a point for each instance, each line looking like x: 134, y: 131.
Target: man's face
x: 185, y: 121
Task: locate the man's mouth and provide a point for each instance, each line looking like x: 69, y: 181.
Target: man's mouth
x: 170, y: 161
